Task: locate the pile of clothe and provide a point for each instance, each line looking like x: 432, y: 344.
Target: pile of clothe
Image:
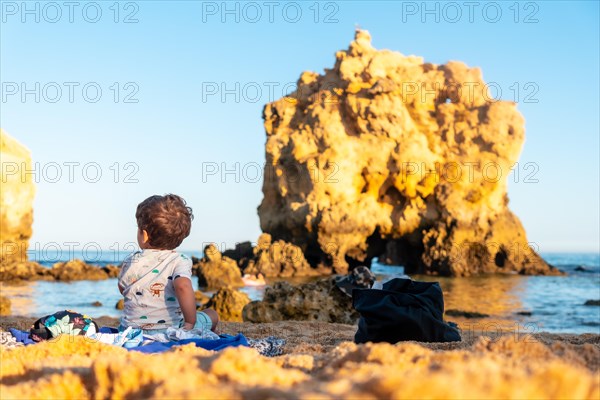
x: 7, y: 340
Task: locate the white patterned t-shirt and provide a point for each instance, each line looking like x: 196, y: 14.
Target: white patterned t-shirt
x: 146, y: 278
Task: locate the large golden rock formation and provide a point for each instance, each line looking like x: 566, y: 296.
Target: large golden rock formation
x: 388, y: 156
x: 16, y: 200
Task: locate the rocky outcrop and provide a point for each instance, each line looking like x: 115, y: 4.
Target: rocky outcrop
x: 389, y: 156
x: 74, y: 270
x: 278, y: 259
x: 111, y: 271
x: 4, y: 306
x: 241, y: 254
x: 78, y: 270
x: 228, y: 303
x: 314, y: 301
x: 16, y: 201
x: 23, y: 270
x: 216, y: 271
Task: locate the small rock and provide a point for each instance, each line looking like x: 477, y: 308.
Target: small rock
x: 465, y: 314
x: 96, y: 304
x: 592, y: 303
x: 228, y: 303
x: 525, y: 313
x: 4, y: 306
x: 120, y: 304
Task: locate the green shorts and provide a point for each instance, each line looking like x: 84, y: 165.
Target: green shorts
x: 203, y: 321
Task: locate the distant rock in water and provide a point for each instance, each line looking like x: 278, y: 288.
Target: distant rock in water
x: 77, y: 270
x: 465, y: 314
x: 216, y: 271
x: 388, y: 156
x: 278, y: 259
x: 73, y: 270
x: 592, y: 303
x: 525, y: 313
x: 271, y: 258
x: 242, y: 253
x: 582, y: 268
x: 112, y: 271
x: 16, y: 203
x: 23, y: 270
x: 315, y: 301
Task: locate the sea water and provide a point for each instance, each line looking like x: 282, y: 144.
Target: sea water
x: 548, y: 303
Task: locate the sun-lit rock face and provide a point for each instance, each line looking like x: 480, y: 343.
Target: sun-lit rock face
x: 16, y: 200
x: 388, y: 156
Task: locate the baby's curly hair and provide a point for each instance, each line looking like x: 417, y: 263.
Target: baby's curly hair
x: 167, y: 219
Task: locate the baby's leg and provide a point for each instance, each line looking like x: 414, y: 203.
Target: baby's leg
x: 214, y: 318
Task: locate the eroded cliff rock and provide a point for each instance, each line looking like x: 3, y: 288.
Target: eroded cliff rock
x: 389, y: 156
x: 16, y: 201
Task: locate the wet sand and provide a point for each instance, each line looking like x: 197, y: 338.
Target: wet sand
x: 319, y: 361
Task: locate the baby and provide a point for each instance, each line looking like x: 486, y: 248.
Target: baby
x: 156, y: 281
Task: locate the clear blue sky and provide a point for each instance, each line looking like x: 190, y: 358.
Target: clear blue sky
x: 176, y: 48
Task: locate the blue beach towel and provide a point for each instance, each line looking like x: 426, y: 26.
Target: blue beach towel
x: 224, y: 341
x: 22, y: 336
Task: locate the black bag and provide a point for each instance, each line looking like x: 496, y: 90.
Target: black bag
x: 403, y: 310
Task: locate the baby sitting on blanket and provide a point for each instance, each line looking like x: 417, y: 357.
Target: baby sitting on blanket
x: 156, y: 281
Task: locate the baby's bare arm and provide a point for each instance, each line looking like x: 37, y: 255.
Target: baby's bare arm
x: 187, y: 301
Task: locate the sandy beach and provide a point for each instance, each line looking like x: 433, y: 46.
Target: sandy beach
x: 319, y: 361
